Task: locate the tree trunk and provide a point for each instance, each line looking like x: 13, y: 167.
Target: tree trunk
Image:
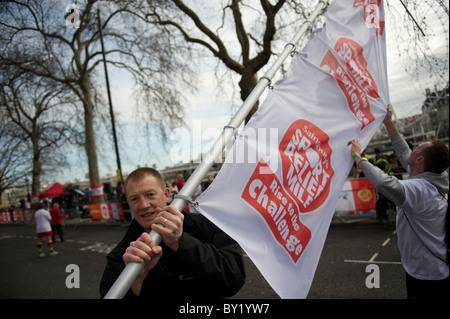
x: 247, y: 83
x: 36, y: 183
x: 91, y: 147
x: 36, y: 172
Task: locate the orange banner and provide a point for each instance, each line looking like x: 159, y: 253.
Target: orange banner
x: 17, y: 215
x: 107, y: 211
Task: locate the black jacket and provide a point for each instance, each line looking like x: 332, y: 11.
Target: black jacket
x: 208, y: 264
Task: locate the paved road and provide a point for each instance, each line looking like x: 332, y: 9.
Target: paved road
x: 341, y: 272
x: 348, y: 250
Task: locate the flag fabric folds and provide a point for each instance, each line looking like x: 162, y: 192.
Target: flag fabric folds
x: 277, y: 190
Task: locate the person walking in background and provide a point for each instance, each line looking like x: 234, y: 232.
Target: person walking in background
x: 43, y: 228
x: 208, y: 182
x: 180, y: 184
x: 382, y: 202
x: 173, y: 191
x: 180, y: 181
x: 422, y: 211
x: 55, y: 212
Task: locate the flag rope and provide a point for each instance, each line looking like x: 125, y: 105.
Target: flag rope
x: 132, y: 270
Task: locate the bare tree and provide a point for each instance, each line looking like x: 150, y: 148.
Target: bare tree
x: 13, y: 162
x: 66, y: 49
x: 239, y: 34
x: 417, y: 27
x: 36, y: 109
x: 242, y: 35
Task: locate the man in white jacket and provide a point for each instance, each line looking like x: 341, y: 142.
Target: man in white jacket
x: 422, y: 210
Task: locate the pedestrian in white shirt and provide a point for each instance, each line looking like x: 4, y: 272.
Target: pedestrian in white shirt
x: 43, y: 228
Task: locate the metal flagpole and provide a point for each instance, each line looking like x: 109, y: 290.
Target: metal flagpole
x: 132, y: 270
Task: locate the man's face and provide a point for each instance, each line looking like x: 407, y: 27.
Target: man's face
x: 144, y: 196
x: 417, y: 154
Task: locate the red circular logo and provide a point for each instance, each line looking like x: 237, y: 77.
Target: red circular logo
x: 307, y: 171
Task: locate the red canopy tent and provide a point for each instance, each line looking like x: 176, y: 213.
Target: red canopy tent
x: 55, y: 191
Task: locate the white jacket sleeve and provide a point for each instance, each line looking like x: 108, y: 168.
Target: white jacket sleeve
x: 387, y: 185
x: 401, y: 149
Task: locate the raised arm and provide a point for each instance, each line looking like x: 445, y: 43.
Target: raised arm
x: 389, y: 124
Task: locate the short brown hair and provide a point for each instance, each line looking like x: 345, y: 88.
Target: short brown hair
x: 436, y: 157
x: 141, y: 172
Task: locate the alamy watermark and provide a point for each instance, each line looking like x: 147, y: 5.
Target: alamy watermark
x: 72, y: 16
x: 195, y: 145
x: 73, y: 279
x: 373, y: 279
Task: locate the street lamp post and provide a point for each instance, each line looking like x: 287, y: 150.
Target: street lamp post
x: 111, y: 111
x: 28, y: 189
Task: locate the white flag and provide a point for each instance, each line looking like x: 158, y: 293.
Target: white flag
x: 278, y: 188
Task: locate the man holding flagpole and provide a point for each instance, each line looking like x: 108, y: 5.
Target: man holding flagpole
x: 194, y: 260
x: 422, y: 210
